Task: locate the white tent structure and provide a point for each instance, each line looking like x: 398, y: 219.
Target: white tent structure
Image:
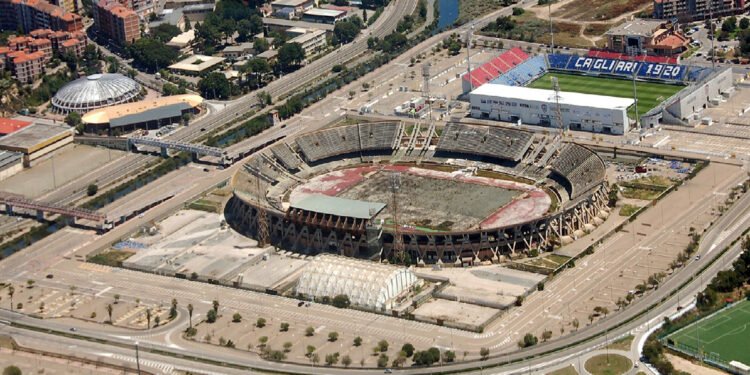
x: 369, y: 285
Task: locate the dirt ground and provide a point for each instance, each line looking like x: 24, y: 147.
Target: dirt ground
x: 689, y: 367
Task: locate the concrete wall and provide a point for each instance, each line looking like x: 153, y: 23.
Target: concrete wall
x: 699, y: 98
x: 542, y: 112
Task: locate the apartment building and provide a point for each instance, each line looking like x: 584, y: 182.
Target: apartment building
x: 688, y: 10
x: 117, y: 22
x: 29, y: 15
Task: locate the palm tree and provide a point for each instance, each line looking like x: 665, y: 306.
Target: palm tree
x: 11, y: 291
x: 190, y: 314
x: 109, y: 312
x: 174, y: 303
x: 148, y: 318
x: 216, y: 305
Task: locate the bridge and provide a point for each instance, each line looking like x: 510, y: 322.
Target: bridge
x: 11, y: 202
x: 167, y: 144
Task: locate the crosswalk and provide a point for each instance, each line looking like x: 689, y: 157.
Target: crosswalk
x: 160, y: 367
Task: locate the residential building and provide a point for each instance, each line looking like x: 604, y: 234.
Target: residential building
x: 26, y: 67
x: 29, y: 15
x: 116, y: 22
x: 647, y: 37
x: 688, y: 10
x: 43, y: 45
x: 183, y: 42
x: 239, y: 51
x: 311, y: 41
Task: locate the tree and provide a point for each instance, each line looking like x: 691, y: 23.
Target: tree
x: 484, y: 353
x: 290, y: 56
x: 236, y: 318
x: 591, y: 318
x: 148, y: 318
x: 309, y: 331
x: 215, y: 86
x: 117, y: 298
x: 546, y: 335
x: 383, y: 346
x: 211, y: 316
x: 190, y: 315
x: 744, y: 23
x: 260, y: 45
x: 151, y: 55
x: 30, y: 283
x: 519, y: 300
x: 73, y: 119
x: 12, y: 370
x: 315, y: 359
x: 173, y: 309
x: 332, y: 359
x: 284, y: 327
x: 357, y: 341
x: 109, y: 312
x: 287, y: 346
x: 11, y: 292
x: 333, y: 336
x: 449, y: 356
x: 310, y: 349
x: 706, y: 299
x: 383, y: 360
x: 341, y: 301
x: 408, y: 349
x: 157, y: 320
x: 346, y: 361
x: 165, y: 32
x: 345, y: 32
x: 575, y: 323
x: 188, y: 25
x: 215, y: 305
x: 92, y: 189
x: 262, y: 341
x: 518, y: 11
x: 260, y: 323
x: 529, y: 340
x: 729, y: 24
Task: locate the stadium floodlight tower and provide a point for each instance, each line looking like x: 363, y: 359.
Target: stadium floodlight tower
x: 398, y: 243
x: 426, y: 88
x: 558, y: 110
x: 469, y: 33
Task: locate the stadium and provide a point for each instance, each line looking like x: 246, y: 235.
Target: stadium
x: 595, y: 92
x: 462, y: 194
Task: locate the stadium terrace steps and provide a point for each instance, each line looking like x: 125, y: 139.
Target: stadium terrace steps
x: 580, y: 166
x: 524, y: 73
x: 645, y: 67
x: 348, y: 139
x: 286, y: 156
x: 497, y: 142
x: 495, y: 67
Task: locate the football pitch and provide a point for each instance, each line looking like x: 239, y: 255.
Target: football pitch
x: 649, y: 94
x: 726, y: 334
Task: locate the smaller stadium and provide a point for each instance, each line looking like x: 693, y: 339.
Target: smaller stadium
x: 593, y: 93
x: 721, y: 339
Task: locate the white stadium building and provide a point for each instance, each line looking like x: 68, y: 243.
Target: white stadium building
x: 368, y: 285
x: 597, y: 113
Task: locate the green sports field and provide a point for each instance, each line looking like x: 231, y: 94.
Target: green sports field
x: 649, y: 94
x: 726, y: 333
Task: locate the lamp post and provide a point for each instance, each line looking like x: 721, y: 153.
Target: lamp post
x: 137, y: 359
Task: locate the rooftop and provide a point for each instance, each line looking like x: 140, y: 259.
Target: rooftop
x: 290, y: 3
x: 325, y: 12
x: 8, y: 158
x: 8, y: 125
x: 290, y: 23
x: 242, y: 47
x: 183, y: 39
x: 108, y: 114
x: 304, y: 38
x: 339, y: 206
x: 197, y: 63
x: 638, y: 26
x: 34, y: 137
x: 540, y: 95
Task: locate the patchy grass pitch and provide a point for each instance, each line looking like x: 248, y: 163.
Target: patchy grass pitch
x: 726, y: 334
x: 649, y: 94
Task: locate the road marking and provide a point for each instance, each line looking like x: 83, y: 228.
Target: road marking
x: 105, y: 290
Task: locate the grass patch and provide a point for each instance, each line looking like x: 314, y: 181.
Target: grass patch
x: 638, y: 193
x: 598, y: 10
x: 628, y: 209
x: 472, y: 9
x: 612, y: 364
x: 722, y: 336
x: 558, y: 259
x: 622, y: 343
x: 570, y: 370
x: 205, y: 205
x: 650, y: 94
x: 112, y: 258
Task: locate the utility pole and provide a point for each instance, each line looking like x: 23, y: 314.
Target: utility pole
x: 468, y: 56
x: 137, y: 359
x: 635, y: 99
x: 711, y: 31
x: 551, y: 31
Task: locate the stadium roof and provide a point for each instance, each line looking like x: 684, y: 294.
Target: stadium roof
x: 339, y: 206
x: 170, y: 111
x: 106, y: 115
x: 540, y: 95
x: 34, y: 137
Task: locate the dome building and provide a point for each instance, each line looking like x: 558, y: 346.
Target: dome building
x: 95, y: 91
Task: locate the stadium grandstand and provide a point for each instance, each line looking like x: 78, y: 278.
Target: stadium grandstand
x: 324, y: 192
x: 493, y: 68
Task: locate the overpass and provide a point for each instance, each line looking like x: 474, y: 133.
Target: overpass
x: 167, y: 144
x: 11, y: 202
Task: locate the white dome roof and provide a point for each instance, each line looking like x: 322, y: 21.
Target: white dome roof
x: 96, y: 91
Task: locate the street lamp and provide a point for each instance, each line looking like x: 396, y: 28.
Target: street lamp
x: 137, y: 359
